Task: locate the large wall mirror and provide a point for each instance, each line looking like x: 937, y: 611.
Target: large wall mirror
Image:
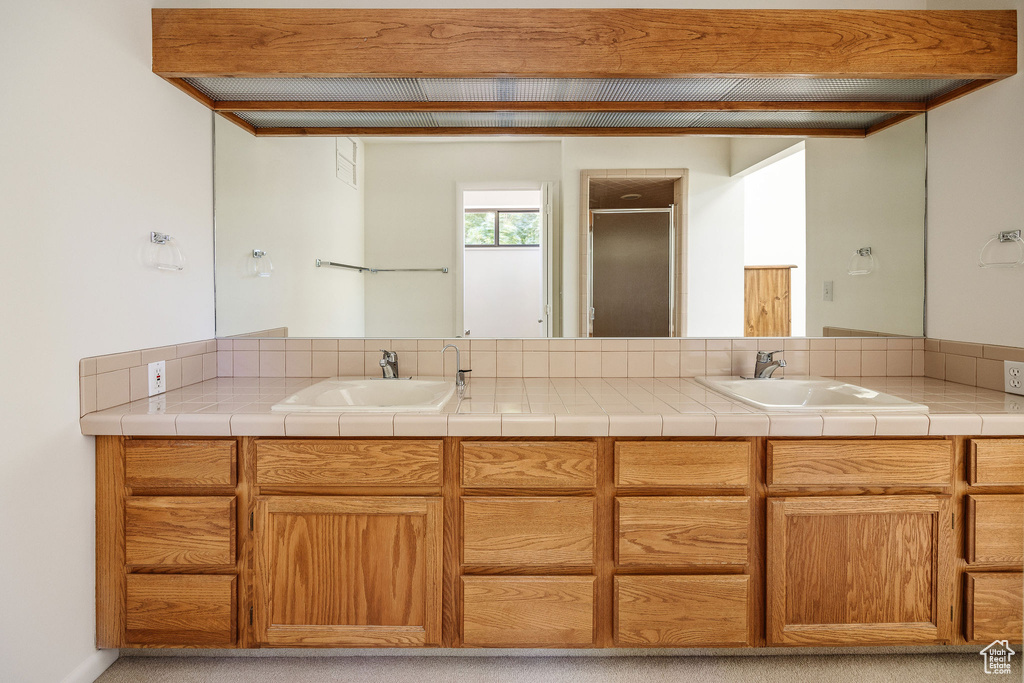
x: 519, y: 237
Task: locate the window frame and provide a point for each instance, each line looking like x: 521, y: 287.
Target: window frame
x: 497, y: 233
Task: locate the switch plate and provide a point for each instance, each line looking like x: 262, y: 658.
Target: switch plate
x: 826, y: 291
x: 1013, y: 377
x: 157, y: 377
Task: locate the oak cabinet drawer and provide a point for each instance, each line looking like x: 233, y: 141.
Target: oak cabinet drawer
x: 162, y: 463
x: 180, y: 531
x: 529, y: 464
x: 994, y: 607
x: 527, y: 611
x: 996, y: 462
x: 321, y: 462
x: 681, y: 611
x: 682, y: 463
x: 166, y: 609
x: 528, y: 531
x: 995, y: 528
x: 860, y: 463
x: 682, y: 531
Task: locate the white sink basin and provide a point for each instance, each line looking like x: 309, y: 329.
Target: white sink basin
x: 807, y: 394
x: 345, y: 394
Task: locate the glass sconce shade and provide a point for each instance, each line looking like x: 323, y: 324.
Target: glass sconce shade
x: 165, y: 254
x: 260, y: 263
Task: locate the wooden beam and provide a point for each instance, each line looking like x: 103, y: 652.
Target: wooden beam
x: 889, y: 123
x: 566, y: 131
x: 293, y: 106
x: 584, y: 43
x: 959, y: 92
x: 239, y: 121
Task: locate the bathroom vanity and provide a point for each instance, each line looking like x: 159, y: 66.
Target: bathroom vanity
x: 606, y: 542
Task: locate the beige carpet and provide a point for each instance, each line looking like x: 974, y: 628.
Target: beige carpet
x: 903, y: 668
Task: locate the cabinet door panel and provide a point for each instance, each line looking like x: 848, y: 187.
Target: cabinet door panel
x: 528, y: 531
x: 682, y: 463
x: 167, y: 609
x: 528, y: 611
x: 322, y: 462
x: 994, y: 607
x: 180, y: 531
x: 995, y: 528
x: 156, y: 463
x: 996, y: 462
x: 348, y: 571
x: 543, y: 464
x: 681, y: 531
x: 860, y: 463
x: 859, y: 570
x: 681, y: 611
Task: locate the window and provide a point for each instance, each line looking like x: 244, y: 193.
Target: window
x: 502, y: 228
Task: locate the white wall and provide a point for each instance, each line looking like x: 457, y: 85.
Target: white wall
x: 867, y: 193
x: 412, y: 222
x: 95, y: 152
x: 715, y: 244
x: 975, y: 184
x: 283, y: 195
x: 503, y: 292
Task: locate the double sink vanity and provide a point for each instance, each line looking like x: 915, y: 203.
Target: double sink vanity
x: 552, y: 541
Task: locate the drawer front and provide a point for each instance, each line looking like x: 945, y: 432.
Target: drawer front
x: 166, y: 609
x: 318, y: 462
x: 995, y: 528
x: 179, y: 531
x: 860, y: 463
x: 527, y: 611
x: 996, y: 462
x: 681, y: 611
x: 163, y: 463
x: 994, y: 607
x: 689, y: 463
x: 682, y: 531
x: 529, y: 465
x: 528, y: 531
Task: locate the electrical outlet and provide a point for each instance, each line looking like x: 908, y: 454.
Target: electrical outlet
x: 157, y: 378
x: 826, y: 291
x: 1013, y: 377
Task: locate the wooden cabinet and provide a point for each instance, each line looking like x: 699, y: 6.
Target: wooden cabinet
x: 995, y: 529
x: 681, y: 611
x: 710, y: 464
x: 175, y: 531
x: 682, y: 531
x: 528, y: 531
x: 536, y: 465
x: 996, y: 462
x: 179, y: 463
x: 859, y: 570
x: 336, y: 571
x: 528, y: 611
x: 172, y: 609
x: 348, y: 463
x: 860, y: 463
x: 994, y: 606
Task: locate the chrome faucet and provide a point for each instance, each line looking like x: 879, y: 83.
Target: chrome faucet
x: 460, y: 374
x: 389, y: 364
x: 766, y: 364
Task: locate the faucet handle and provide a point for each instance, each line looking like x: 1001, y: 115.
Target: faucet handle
x: 766, y: 356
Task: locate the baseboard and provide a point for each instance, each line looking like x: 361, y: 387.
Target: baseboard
x: 90, y: 669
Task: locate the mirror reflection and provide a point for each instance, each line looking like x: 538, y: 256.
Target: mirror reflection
x: 576, y: 236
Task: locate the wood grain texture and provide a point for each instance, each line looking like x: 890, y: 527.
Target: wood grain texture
x: 528, y: 531
x: 995, y: 528
x: 348, y: 463
x: 859, y: 570
x: 173, y: 609
x: 604, y: 565
x: 245, y: 516
x: 682, y: 463
x: 994, y: 607
x: 681, y: 611
x: 110, y: 575
x: 996, y: 462
x: 528, y: 611
x: 582, y: 43
x: 767, y: 306
x: 681, y: 531
x: 180, y: 531
x: 543, y: 464
x: 825, y: 462
x: 159, y: 463
x: 548, y: 106
x: 349, y: 571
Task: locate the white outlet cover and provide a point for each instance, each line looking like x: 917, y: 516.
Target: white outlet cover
x: 1013, y: 377
x: 157, y: 377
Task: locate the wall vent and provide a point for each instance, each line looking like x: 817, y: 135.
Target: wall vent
x: 347, y: 151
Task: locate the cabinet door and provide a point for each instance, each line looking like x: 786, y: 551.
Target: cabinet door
x: 859, y: 570
x: 348, y: 571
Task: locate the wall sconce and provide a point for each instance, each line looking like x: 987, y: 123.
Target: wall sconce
x: 260, y: 263
x: 862, y: 262
x: 166, y: 255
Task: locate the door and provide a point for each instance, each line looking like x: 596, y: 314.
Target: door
x: 767, y: 308
x: 348, y: 571
x: 631, y: 273
x: 859, y: 570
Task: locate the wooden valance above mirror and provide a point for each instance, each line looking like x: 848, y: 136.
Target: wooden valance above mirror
x: 337, y: 72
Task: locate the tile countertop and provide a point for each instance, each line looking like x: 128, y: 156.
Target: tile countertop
x: 560, y: 407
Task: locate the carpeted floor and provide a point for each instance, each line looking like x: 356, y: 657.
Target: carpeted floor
x: 902, y: 668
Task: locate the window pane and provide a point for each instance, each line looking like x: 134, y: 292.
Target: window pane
x: 519, y: 228
x: 479, y: 227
